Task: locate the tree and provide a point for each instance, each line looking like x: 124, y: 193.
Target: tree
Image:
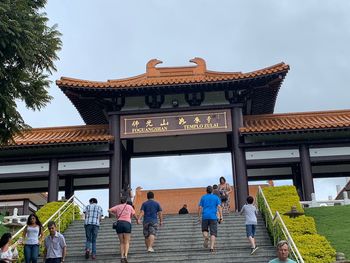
x: 28, y: 48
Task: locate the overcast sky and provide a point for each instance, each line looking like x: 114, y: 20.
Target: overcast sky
x: 115, y: 39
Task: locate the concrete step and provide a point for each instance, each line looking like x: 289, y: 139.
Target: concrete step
x: 178, y: 240
x: 190, y: 255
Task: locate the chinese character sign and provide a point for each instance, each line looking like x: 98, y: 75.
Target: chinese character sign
x: 179, y: 123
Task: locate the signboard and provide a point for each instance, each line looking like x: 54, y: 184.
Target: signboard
x: 180, y: 123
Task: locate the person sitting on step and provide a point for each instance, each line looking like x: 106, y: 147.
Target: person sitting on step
x: 183, y: 210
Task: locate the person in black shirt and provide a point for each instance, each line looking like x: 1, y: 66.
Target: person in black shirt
x: 183, y: 210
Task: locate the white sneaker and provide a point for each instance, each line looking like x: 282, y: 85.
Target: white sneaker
x: 151, y: 250
x: 253, y: 250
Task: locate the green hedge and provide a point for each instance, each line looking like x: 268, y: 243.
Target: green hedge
x: 313, y: 247
x: 49, y: 209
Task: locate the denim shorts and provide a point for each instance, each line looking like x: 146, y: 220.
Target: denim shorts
x: 150, y: 229
x: 250, y: 229
x: 123, y: 227
x: 210, y: 224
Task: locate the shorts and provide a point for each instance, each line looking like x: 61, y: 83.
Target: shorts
x: 210, y: 224
x: 150, y: 229
x: 250, y: 230
x: 123, y: 227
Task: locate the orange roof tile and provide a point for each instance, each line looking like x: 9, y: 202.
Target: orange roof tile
x: 55, y: 135
x: 296, y: 121
x: 288, y: 122
x: 171, y: 200
x: 172, y: 75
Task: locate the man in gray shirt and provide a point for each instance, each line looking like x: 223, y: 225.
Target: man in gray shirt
x: 250, y: 212
x: 55, y: 245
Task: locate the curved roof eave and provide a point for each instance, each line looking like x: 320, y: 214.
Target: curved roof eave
x: 155, y: 77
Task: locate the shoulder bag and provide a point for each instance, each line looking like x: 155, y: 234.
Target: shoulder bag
x: 115, y: 224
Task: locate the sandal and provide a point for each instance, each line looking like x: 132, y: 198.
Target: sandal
x: 206, y: 241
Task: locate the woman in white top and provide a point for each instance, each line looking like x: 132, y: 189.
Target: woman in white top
x: 33, y: 236
x: 8, y: 253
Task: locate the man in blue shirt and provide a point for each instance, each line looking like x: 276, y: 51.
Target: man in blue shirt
x: 150, y: 210
x: 93, y: 214
x: 209, y: 207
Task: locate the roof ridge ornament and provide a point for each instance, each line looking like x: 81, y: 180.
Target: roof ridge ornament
x: 151, y: 69
x: 199, y: 69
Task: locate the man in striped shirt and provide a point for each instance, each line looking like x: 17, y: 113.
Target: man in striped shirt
x: 93, y: 213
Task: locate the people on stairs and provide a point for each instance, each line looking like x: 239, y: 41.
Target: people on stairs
x: 208, y: 210
x: 250, y: 213
x: 33, y: 236
x: 55, y: 247
x: 93, y: 214
x: 150, y: 212
x: 124, y: 213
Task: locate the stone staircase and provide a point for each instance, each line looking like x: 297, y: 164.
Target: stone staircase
x: 179, y: 240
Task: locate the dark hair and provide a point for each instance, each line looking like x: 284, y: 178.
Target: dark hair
x: 222, y: 178
x: 36, y: 219
x: 5, y: 238
x: 209, y: 189
x: 123, y: 199
x: 93, y: 201
x: 51, y: 223
x: 215, y: 186
x: 250, y: 200
x: 150, y: 195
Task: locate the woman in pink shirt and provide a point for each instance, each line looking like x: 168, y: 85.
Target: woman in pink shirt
x: 123, y: 213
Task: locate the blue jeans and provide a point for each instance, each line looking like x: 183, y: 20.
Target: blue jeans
x: 31, y: 253
x: 91, y: 232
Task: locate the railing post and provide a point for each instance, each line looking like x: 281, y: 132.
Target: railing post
x: 73, y: 208
x: 59, y: 221
x: 313, y: 200
x: 346, y: 198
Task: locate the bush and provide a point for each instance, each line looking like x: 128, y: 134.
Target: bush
x: 49, y: 209
x: 313, y: 247
x: 303, y: 225
x: 282, y: 199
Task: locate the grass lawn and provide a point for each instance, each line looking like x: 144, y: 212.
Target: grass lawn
x: 333, y: 222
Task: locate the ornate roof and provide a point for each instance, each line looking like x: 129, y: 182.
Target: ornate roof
x: 63, y: 135
x: 254, y: 124
x: 155, y: 76
x: 292, y: 122
x: 257, y: 90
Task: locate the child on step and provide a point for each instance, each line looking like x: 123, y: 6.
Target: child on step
x: 250, y: 212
